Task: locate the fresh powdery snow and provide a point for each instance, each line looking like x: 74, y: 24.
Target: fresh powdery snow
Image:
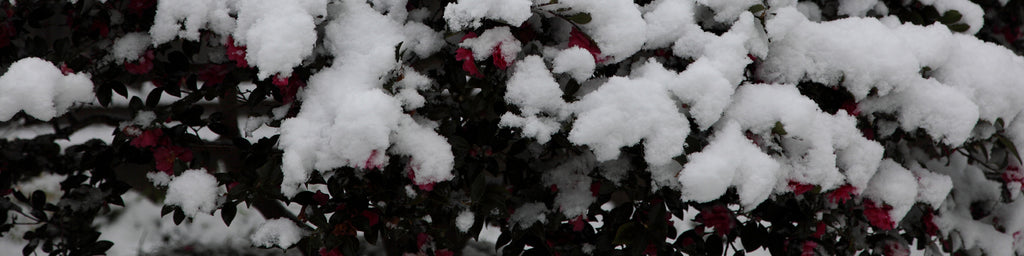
x: 280, y: 232
x: 40, y: 89
x: 194, y: 191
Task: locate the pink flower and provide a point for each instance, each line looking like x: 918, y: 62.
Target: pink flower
x: 800, y: 188
x: 578, y: 39
x: 236, y: 53
x: 141, y: 66
x: 878, y: 216
x: 717, y: 217
x: 841, y: 194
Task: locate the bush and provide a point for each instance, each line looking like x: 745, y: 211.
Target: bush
x: 575, y: 127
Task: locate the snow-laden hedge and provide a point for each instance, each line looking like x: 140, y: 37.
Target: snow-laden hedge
x: 573, y: 126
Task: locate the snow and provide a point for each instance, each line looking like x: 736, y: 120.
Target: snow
x: 493, y: 39
x: 39, y: 88
x: 624, y: 111
x: 464, y: 220
x: 729, y: 160
x: 667, y: 20
x: 186, y: 17
x: 533, y: 89
x: 728, y: 10
x: 130, y: 46
x: 194, y: 191
x: 280, y: 232
x: 469, y: 13
x: 617, y: 26
x: 890, y: 185
x: 575, y: 61
x: 278, y: 34
x: 528, y: 214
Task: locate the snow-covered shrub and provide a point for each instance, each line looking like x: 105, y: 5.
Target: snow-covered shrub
x: 610, y: 127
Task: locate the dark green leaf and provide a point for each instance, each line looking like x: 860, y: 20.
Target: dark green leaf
x: 779, y: 129
x: 30, y: 247
x: 103, y: 94
x: 959, y: 27
x: 100, y: 247
x: 38, y: 199
x: 153, y: 99
x: 756, y: 8
x: 179, y: 216
x: 166, y: 209
x: 227, y: 213
x: 950, y: 17
x: 580, y: 18
x: 503, y: 239
x: 136, y: 104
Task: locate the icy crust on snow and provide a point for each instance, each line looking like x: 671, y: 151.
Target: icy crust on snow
x: 39, y: 88
x: 348, y: 119
x: 280, y: 232
x: 816, y: 143
x: 970, y: 79
x: 278, y: 34
x: 470, y: 13
x: 729, y: 160
x: 194, y: 191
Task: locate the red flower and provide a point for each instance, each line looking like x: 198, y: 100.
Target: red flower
x: 371, y: 162
x: 141, y: 66
x: 421, y: 239
x: 878, y: 216
x: 165, y: 157
x: 236, y: 53
x: 290, y: 87
x: 1013, y: 174
x: 138, y: 7
x: 800, y: 188
x: 100, y: 27
x: 65, y: 70
x: 717, y: 217
x: 372, y: 217
x: 929, y: 224
x: 426, y: 186
x: 595, y: 188
x: 820, y: 229
x: 443, y: 252
x: 894, y: 248
x: 468, y: 64
x: 499, y: 59
x: 332, y: 252
x: 578, y: 39
x: 577, y: 223
x: 851, y: 108
x: 7, y: 31
x: 651, y: 250
x: 808, y: 249
x: 841, y: 194
x: 321, y: 198
x: 213, y: 74
x: 148, y: 138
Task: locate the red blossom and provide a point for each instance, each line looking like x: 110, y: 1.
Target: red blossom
x: 499, y: 59
x: 444, y: 252
x: 468, y: 64
x: 371, y: 216
x: 7, y: 31
x: 148, y: 138
x: 894, y: 248
x: 800, y: 188
x: 288, y: 88
x: 422, y: 239
x: 332, y: 252
x: 808, y: 248
x: 595, y: 188
x: 371, y: 161
x: 100, y: 27
x: 651, y: 250
x: 139, y: 7
x: 236, y: 53
x: 851, y: 108
x: 424, y: 186
x: 165, y: 157
x: 841, y: 194
x: 929, y: 224
x: 578, y: 39
x: 820, y: 229
x: 141, y: 66
x: 1013, y: 174
x: 878, y: 216
x: 717, y: 217
x: 578, y: 223
x: 213, y: 74
x: 65, y: 70
x: 321, y: 198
